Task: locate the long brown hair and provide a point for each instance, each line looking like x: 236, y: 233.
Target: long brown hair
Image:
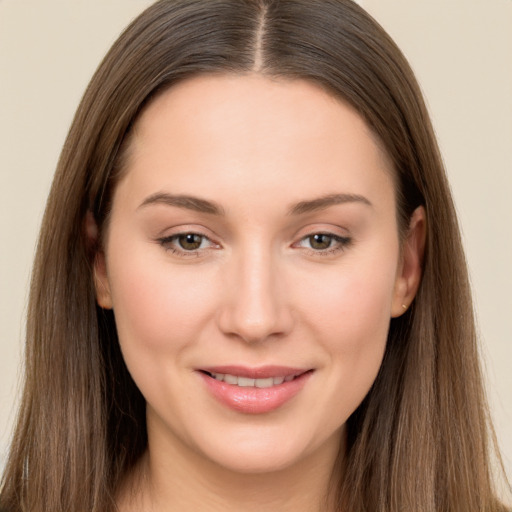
x: 420, y: 440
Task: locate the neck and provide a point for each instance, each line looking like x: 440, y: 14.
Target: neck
x: 178, y: 479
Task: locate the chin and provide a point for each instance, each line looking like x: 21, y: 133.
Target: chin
x: 266, y: 451
x: 253, y: 463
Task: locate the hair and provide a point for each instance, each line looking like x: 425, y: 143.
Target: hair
x: 420, y: 441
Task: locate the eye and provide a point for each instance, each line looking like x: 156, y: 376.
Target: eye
x: 324, y: 243
x: 190, y: 241
x: 320, y: 241
x: 186, y: 243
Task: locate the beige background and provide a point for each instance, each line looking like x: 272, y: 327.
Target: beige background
x: 461, y: 51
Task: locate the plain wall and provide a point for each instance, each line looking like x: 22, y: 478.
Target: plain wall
x: 461, y: 51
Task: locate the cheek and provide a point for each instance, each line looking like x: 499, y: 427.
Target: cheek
x: 355, y: 302
x: 156, y: 305
x: 350, y: 318
x: 352, y: 326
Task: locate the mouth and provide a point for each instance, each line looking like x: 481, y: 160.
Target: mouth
x: 256, y: 390
x: 247, y: 382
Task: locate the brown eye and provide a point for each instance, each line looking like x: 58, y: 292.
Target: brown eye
x: 190, y: 241
x: 320, y: 241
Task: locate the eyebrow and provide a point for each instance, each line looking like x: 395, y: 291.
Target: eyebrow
x: 321, y: 203
x: 183, y: 201
x: 204, y: 206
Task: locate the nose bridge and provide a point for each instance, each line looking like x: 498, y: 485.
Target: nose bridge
x: 255, y: 308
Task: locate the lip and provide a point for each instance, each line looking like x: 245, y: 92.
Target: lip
x: 253, y: 400
x: 261, y: 372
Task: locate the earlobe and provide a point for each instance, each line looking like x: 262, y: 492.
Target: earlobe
x: 409, y: 272
x: 103, y: 295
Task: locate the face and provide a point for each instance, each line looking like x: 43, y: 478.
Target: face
x: 253, y: 263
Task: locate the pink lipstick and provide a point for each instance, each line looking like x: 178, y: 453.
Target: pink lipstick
x: 254, y: 390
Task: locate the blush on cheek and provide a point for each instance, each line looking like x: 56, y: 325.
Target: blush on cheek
x: 354, y: 299
x: 351, y: 321
x: 157, y: 305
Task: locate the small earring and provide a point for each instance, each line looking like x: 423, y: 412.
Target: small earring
x: 404, y: 306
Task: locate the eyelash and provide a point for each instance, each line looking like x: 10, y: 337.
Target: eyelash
x: 340, y: 244
x: 168, y: 241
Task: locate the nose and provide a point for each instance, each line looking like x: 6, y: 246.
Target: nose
x: 255, y: 306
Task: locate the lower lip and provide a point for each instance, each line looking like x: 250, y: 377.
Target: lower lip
x: 252, y: 400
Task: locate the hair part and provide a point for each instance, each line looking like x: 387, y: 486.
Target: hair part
x: 419, y: 441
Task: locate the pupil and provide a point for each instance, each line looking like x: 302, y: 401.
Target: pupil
x: 190, y: 241
x: 320, y: 241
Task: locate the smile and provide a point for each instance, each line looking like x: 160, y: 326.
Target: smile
x: 254, y: 391
x: 246, y: 382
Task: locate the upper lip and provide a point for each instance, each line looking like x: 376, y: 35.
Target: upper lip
x: 260, y: 372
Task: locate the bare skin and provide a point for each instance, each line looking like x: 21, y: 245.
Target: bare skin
x: 255, y: 228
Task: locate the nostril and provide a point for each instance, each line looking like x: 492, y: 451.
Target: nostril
x: 252, y: 309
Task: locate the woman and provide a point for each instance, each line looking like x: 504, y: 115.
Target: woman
x: 250, y: 292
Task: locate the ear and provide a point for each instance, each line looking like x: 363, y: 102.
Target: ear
x: 101, y: 284
x: 409, y: 270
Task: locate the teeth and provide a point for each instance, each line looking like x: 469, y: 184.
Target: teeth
x: 246, y: 382
x: 264, y: 383
x: 231, y: 379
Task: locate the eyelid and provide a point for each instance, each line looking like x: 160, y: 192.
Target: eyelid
x: 167, y: 241
x: 342, y: 241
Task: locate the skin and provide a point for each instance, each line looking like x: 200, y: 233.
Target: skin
x: 258, y: 291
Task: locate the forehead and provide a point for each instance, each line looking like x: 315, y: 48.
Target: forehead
x: 238, y: 134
